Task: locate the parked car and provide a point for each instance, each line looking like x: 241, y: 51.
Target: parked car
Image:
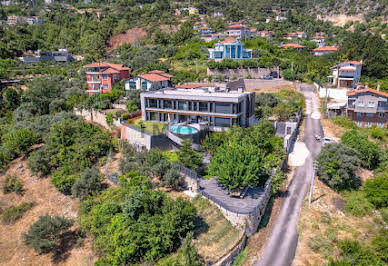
x: 327, y: 140
x: 266, y: 77
x: 274, y: 74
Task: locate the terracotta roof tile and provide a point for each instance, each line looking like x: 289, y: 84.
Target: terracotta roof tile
x: 326, y: 49
x: 229, y: 40
x: 106, y: 64
x: 110, y: 71
x: 355, y: 92
x: 154, y: 77
x: 292, y: 45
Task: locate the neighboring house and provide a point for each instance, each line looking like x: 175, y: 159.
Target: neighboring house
x: 368, y: 107
x: 218, y: 14
x: 102, y: 76
x: 153, y: 80
x: 217, y: 108
x: 296, y: 46
x: 33, y: 20
x: 296, y: 35
x: 6, y: 3
x: 346, y: 74
x: 205, y: 31
x: 199, y: 24
x: 324, y: 50
x: 268, y: 20
x: 280, y: 18
x: 319, y: 40
x: 230, y: 48
x: 239, y: 31
x: 62, y: 55
x: 193, y: 11
x: 216, y: 36
x: 264, y: 34
x: 253, y: 32
x: 13, y: 20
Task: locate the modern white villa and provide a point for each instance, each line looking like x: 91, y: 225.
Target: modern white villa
x: 230, y: 48
x: 153, y: 80
x: 216, y: 108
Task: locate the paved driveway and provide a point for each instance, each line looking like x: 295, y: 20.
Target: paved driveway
x: 281, y: 246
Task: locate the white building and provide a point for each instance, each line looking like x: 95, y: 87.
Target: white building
x: 346, y: 74
x: 153, y: 80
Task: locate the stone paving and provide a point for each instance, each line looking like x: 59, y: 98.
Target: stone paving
x: 252, y: 200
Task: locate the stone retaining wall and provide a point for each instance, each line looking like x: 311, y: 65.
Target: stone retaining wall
x: 228, y: 258
x: 93, y: 116
x: 238, y: 73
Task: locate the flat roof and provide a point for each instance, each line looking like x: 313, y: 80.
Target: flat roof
x: 197, y: 94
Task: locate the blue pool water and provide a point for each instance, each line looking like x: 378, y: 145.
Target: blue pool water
x: 184, y: 130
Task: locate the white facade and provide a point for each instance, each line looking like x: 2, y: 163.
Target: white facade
x: 347, y: 74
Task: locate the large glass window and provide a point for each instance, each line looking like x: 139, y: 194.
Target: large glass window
x: 183, y: 105
x: 222, y: 122
x: 152, y: 103
x: 167, y: 104
x: 104, y: 76
x: 223, y: 108
x: 132, y: 85
x: 203, y: 106
x: 143, y: 85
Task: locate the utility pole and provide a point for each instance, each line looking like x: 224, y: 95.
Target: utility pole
x: 196, y: 65
x: 292, y: 66
x: 312, y: 181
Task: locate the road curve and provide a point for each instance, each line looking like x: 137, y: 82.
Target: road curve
x: 282, y: 242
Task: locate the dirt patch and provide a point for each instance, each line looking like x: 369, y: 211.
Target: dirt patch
x: 324, y: 223
x: 268, y: 86
x: 129, y: 36
x: 341, y: 19
x: 331, y: 130
x: 48, y: 200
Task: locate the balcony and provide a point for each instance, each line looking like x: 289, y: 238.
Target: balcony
x: 94, y: 81
x: 382, y: 109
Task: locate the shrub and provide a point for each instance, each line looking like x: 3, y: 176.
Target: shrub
x: 12, y: 184
x: 172, y: 178
x: 109, y: 119
x: 18, y: 140
x: 380, y: 244
x: 88, y: 183
x: 357, y: 204
x: 337, y: 165
x: 44, y: 234
x: 357, y: 255
x: 5, y: 158
x: 39, y: 161
x: 369, y: 152
x: 64, y: 181
x: 377, y: 133
x: 344, y: 122
x: 384, y: 214
x: 376, y: 190
x: 188, y: 157
x: 12, y: 214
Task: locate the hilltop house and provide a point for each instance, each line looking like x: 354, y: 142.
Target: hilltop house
x: 153, y: 80
x: 102, y: 76
x: 62, y: 55
x: 319, y: 40
x: 264, y: 34
x: 205, y: 31
x: 296, y: 46
x: 296, y: 35
x: 324, y: 50
x: 230, y: 48
x: 346, y: 74
x: 199, y: 24
x: 218, y: 14
x: 239, y: 31
x: 368, y: 107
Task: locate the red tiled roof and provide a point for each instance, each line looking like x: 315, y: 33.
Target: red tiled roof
x: 106, y: 64
x: 292, y: 45
x: 292, y: 34
x: 317, y: 37
x: 355, y: 92
x: 198, y: 23
x: 234, y: 27
x: 326, y: 49
x: 204, y: 28
x: 253, y: 30
x: 110, y: 71
x: 193, y: 85
x: 300, y: 32
x: 229, y: 40
x: 154, y: 77
x: 354, y: 62
x: 160, y: 72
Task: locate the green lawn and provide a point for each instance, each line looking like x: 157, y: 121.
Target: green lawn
x: 149, y: 127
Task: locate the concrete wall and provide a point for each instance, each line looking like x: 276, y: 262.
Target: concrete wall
x: 228, y: 258
x: 141, y: 139
x: 119, y: 106
x: 255, y: 72
x: 333, y: 93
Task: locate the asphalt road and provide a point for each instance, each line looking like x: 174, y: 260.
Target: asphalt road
x: 283, y: 239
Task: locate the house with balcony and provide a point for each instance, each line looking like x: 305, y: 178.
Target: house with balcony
x: 296, y: 35
x: 230, y: 48
x: 199, y: 24
x: 238, y: 31
x: 346, y: 74
x: 324, y: 50
x: 319, y: 40
x: 264, y: 34
x: 102, y: 76
x: 62, y: 55
x: 368, y: 107
x: 153, y: 80
x: 216, y: 107
x: 205, y: 31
